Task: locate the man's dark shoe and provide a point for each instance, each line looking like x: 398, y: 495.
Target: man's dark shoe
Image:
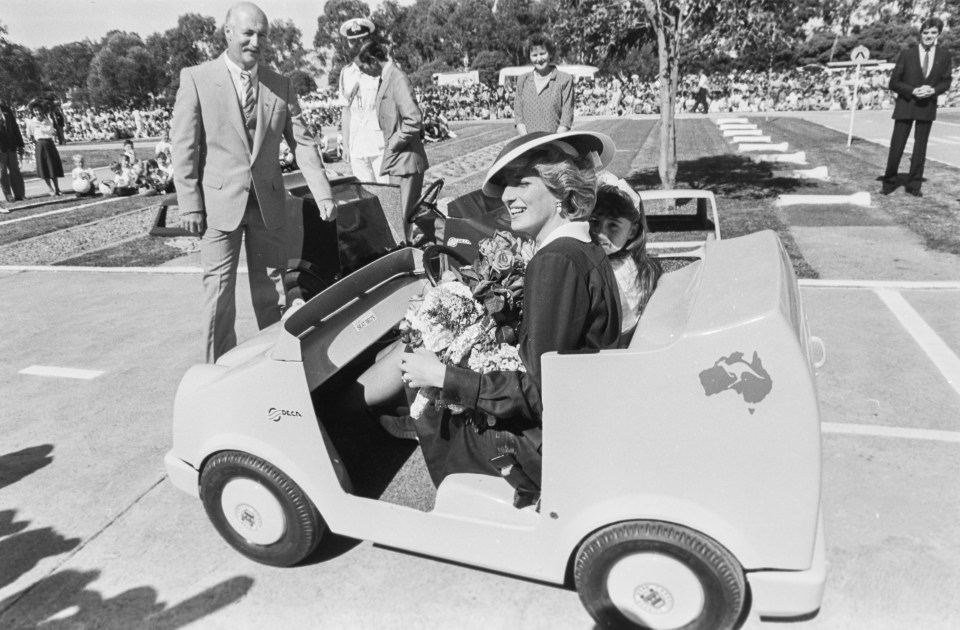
x: 915, y: 193
x: 887, y: 188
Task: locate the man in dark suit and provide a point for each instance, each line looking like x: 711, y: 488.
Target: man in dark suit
x: 404, y: 158
x: 11, y: 151
x: 228, y: 120
x: 921, y: 74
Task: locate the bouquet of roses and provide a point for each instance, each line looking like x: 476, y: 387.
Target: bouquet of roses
x: 470, y: 318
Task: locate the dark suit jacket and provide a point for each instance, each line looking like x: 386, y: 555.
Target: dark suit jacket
x: 214, y: 165
x: 401, y: 122
x: 908, y: 74
x: 10, y: 137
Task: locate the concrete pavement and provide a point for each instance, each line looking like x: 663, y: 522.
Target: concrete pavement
x: 92, y: 535
x: 91, y: 531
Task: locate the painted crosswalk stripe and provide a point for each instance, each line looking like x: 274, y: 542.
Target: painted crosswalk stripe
x: 894, y: 432
x: 61, y: 372
x: 939, y: 352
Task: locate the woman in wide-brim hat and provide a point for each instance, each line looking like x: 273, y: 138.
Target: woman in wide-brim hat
x: 548, y: 182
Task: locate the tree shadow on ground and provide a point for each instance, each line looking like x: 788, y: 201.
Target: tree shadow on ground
x: 733, y: 176
x: 65, y: 600
x: 16, y: 466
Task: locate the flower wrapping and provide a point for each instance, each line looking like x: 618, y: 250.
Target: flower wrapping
x: 470, y: 319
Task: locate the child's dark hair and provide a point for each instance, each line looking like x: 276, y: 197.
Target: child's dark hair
x: 614, y: 203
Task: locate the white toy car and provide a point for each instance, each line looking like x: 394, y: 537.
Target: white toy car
x: 679, y: 474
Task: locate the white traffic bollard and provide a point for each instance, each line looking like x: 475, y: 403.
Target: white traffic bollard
x: 812, y: 173
x: 763, y: 147
x: 861, y: 199
x: 799, y: 157
x: 741, y: 132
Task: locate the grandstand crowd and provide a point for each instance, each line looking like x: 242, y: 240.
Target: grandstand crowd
x: 745, y: 91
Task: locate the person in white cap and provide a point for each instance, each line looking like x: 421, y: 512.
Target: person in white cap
x: 362, y: 138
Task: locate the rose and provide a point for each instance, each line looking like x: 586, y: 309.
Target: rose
x: 487, y: 247
x: 502, y: 260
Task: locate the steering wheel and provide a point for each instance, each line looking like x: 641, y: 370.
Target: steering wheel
x: 427, y: 202
x: 432, y: 253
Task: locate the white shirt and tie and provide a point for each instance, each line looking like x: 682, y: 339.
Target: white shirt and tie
x: 247, y: 85
x: 926, y: 59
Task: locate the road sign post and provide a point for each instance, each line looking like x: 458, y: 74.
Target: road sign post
x: 858, y: 55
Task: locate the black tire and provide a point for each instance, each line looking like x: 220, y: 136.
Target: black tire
x: 279, y: 531
x: 653, y: 568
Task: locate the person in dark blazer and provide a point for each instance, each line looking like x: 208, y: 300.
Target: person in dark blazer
x: 11, y: 151
x: 229, y: 118
x: 401, y: 122
x: 922, y: 73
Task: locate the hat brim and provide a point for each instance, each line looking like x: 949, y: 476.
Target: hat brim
x: 583, y: 142
x: 364, y: 22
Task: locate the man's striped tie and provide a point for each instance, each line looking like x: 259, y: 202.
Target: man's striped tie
x: 249, y: 101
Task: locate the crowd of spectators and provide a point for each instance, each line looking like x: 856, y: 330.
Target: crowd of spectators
x: 812, y: 88
x: 86, y: 125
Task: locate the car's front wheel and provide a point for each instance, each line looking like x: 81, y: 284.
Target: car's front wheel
x: 258, y: 510
x: 650, y: 574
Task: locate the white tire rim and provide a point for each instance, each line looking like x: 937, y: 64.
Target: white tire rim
x: 655, y: 590
x: 253, y: 511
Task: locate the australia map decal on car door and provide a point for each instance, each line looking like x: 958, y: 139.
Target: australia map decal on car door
x: 733, y: 372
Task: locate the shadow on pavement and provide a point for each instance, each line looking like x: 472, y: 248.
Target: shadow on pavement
x: 727, y: 175
x: 65, y: 600
x: 22, y: 551
x: 16, y: 466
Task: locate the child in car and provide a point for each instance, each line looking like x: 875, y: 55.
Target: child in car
x: 620, y: 226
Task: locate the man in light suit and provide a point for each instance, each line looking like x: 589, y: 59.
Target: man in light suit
x: 921, y: 74
x: 229, y: 118
x: 401, y: 121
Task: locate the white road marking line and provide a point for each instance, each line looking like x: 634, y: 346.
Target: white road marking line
x: 66, y: 268
x: 931, y: 343
x: 61, y: 372
x: 60, y: 211
x: 881, y: 284
x: 893, y: 432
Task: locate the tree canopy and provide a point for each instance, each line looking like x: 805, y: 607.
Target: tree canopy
x: 621, y: 37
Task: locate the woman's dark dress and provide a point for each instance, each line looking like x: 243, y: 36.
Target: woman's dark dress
x: 570, y: 303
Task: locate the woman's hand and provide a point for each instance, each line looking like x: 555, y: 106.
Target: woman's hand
x: 422, y: 368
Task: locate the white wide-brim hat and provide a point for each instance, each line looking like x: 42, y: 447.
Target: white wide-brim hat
x: 574, y: 143
x: 355, y: 28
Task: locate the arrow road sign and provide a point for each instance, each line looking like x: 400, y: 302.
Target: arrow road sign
x: 859, y: 54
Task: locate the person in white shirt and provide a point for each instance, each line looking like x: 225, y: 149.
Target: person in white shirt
x: 362, y: 137
x: 163, y: 146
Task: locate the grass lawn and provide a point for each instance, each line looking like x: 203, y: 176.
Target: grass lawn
x: 746, y: 191
x: 140, y: 251
x: 96, y: 208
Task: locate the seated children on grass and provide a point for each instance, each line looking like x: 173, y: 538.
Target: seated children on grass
x: 84, y: 179
x: 621, y: 227
x: 164, y: 165
x: 122, y: 185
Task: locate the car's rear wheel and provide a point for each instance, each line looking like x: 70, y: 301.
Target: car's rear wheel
x: 649, y: 574
x: 258, y: 510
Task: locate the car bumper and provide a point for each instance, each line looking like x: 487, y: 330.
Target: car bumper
x: 791, y: 593
x: 182, y: 475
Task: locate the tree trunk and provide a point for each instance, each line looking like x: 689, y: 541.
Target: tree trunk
x: 668, y: 77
